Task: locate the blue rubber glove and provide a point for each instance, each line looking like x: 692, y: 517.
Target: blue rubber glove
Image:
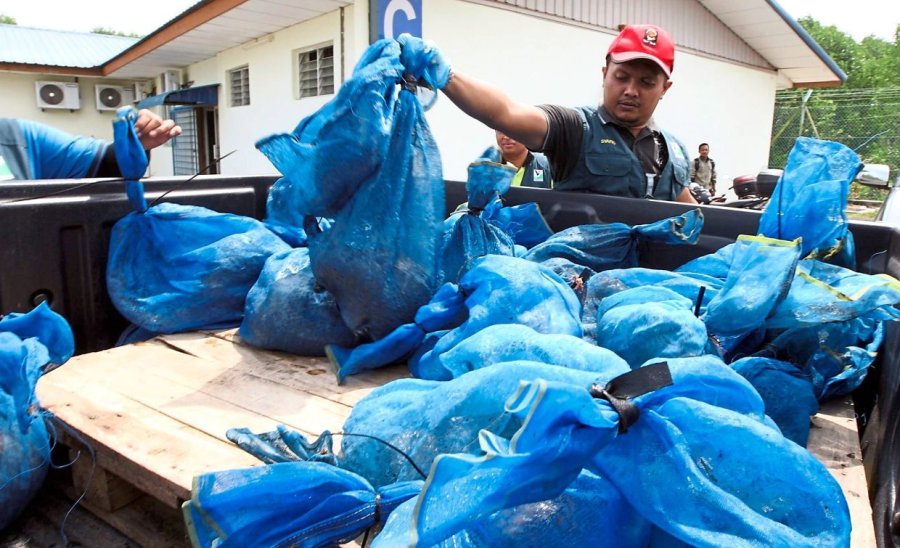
x: 423, y: 61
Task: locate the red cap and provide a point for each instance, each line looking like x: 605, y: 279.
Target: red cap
x: 644, y: 42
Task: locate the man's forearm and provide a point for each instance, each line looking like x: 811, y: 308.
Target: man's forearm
x: 494, y: 108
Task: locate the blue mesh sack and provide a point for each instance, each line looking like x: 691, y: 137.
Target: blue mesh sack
x: 379, y: 259
x: 332, y: 152
x: 287, y: 310
x: 524, y: 222
x: 604, y: 284
x: 318, y: 505
x: 28, y: 343
x: 692, y: 421
x: 589, y: 509
x: 810, y: 199
x: 614, y: 245
x: 424, y: 419
x: 467, y: 235
x: 757, y: 273
x: 822, y: 293
x: 495, y: 290
x: 176, y: 268
x: 786, y: 391
x: 834, y: 356
x: 650, y: 322
x: 514, y: 342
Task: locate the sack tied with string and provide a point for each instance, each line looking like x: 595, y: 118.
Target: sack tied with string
x: 177, y: 268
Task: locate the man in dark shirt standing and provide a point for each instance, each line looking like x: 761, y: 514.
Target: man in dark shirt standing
x: 613, y: 149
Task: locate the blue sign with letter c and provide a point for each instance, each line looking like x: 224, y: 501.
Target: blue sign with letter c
x: 398, y: 16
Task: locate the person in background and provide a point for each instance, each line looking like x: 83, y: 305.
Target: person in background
x: 533, y: 168
x: 703, y: 170
x: 31, y: 150
x: 614, y: 148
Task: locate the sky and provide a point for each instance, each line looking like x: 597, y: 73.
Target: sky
x: 858, y: 18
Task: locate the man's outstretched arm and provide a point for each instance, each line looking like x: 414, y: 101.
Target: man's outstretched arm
x: 494, y: 108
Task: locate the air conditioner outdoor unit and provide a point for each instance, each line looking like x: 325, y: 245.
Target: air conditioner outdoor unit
x: 57, y: 95
x: 112, y: 97
x: 171, y: 80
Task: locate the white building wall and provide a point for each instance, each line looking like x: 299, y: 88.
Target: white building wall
x: 18, y: 93
x: 273, y: 106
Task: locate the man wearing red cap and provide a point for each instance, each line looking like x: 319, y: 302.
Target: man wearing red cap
x: 614, y: 148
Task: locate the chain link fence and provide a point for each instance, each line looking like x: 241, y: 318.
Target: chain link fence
x: 866, y: 120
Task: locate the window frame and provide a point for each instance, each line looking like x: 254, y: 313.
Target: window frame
x: 243, y: 98
x: 324, y: 71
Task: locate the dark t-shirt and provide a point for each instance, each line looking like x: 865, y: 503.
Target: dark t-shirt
x: 565, y: 140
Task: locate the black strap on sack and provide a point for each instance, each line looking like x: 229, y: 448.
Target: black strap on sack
x: 630, y: 385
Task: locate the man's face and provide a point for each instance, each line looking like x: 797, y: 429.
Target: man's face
x: 704, y: 151
x: 509, y: 147
x: 631, y: 90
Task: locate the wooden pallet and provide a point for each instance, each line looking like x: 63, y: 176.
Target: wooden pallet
x: 156, y: 413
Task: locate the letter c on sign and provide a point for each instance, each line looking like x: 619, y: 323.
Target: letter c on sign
x: 392, y: 8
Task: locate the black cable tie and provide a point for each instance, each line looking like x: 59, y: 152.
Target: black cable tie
x: 619, y: 391
x: 377, y: 515
x: 699, y: 300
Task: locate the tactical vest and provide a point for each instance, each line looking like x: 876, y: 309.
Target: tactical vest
x: 13, y: 149
x: 608, y: 166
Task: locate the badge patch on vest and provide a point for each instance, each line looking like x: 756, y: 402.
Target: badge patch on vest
x: 5, y: 173
x: 607, y: 142
x: 538, y: 175
x: 650, y: 36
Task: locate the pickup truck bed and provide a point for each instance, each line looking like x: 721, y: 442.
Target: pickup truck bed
x: 56, y: 239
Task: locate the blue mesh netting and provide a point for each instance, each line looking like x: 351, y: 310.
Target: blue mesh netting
x: 513, y: 342
x: 787, y: 392
x: 614, y: 245
x: 379, y: 257
x: 28, y: 342
x: 650, y: 322
x: 834, y: 356
x: 287, y: 310
x: 467, y: 234
x: 496, y: 290
x: 693, y: 444
x: 810, y: 200
x: 317, y: 505
x: 175, y: 268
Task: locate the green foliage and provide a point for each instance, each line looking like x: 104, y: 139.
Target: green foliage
x: 111, y: 32
x: 863, y: 114
x: 7, y: 20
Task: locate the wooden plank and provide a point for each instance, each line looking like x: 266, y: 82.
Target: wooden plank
x: 834, y: 440
x: 185, y: 387
x: 101, y: 487
x: 313, y: 374
x: 157, y: 454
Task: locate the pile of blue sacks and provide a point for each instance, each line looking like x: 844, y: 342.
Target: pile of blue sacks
x: 29, y: 344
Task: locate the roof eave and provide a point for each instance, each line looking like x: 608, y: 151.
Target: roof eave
x: 190, y: 19
x: 812, y: 45
x: 51, y: 69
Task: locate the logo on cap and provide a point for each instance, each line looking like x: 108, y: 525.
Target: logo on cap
x: 650, y: 36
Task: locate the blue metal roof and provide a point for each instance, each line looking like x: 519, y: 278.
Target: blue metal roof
x: 58, y: 48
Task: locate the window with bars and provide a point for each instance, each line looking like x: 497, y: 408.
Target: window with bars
x: 239, y: 80
x: 316, y: 71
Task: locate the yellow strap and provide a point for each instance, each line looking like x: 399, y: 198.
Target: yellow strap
x: 517, y: 179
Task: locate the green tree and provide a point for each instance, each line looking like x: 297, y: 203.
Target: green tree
x: 864, y: 113
x: 111, y: 32
x: 7, y: 20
